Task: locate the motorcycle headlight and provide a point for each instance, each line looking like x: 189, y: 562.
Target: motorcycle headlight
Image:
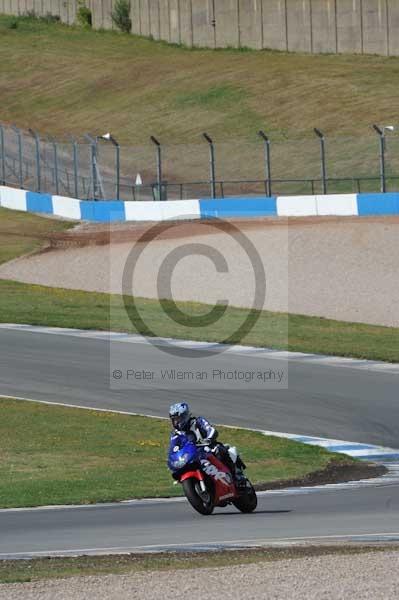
x: 181, y: 461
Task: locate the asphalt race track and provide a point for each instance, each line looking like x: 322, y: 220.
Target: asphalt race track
x: 326, y: 401
x: 325, y: 516
x: 322, y: 400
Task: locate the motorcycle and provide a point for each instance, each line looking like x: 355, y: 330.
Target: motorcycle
x: 206, y: 481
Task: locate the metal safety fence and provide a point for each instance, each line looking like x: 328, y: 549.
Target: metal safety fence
x: 98, y: 167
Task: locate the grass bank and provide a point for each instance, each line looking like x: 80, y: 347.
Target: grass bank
x: 105, y: 81
x: 57, y: 455
x: 56, y: 307
x: 134, y: 86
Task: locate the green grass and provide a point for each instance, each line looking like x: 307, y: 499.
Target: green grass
x: 39, y: 305
x: 104, y: 81
x: 134, y: 87
x: 54, y: 568
x: 218, y: 96
x: 57, y: 455
x: 21, y: 233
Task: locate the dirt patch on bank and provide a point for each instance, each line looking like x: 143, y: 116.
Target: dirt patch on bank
x: 87, y: 234
x: 334, y: 472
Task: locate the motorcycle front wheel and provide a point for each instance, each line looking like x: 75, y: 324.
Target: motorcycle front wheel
x: 201, y: 501
x: 247, y: 501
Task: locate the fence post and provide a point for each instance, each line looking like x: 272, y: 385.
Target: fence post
x: 320, y: 135
x: 93, y: 154
x: 3, y: 156
x: 118, y: 170
x: 159, y: 166
x: 37, y: 152
x: 267, y: 161
x: 110, y: 138
x: 211, y: 163
x: 21, y: 177
x: 55, y: 151
x: 381, y: 133
x: 75, y: 166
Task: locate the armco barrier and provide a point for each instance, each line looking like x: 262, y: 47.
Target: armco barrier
x: 99, y: 211
x: 238, y: 207
x: 205, y: 208
x: 378, y: 204
x: 102, y: 212
x: 39, y: 203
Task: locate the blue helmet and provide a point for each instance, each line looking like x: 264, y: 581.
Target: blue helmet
x: 179, y: 414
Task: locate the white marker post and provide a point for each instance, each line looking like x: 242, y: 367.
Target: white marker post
x: 138, y: 183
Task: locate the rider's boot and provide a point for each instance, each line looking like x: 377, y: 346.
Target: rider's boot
x: 239, y: 477
x: 236, y: 468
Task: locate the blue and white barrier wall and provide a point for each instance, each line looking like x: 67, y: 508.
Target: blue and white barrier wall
x: 284, y: 206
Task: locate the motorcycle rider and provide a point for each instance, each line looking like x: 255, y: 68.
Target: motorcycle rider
x: 202, y: 432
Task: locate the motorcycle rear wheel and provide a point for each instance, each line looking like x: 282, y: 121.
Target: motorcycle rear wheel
x: 201, y: 505
x: 248, y: 501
